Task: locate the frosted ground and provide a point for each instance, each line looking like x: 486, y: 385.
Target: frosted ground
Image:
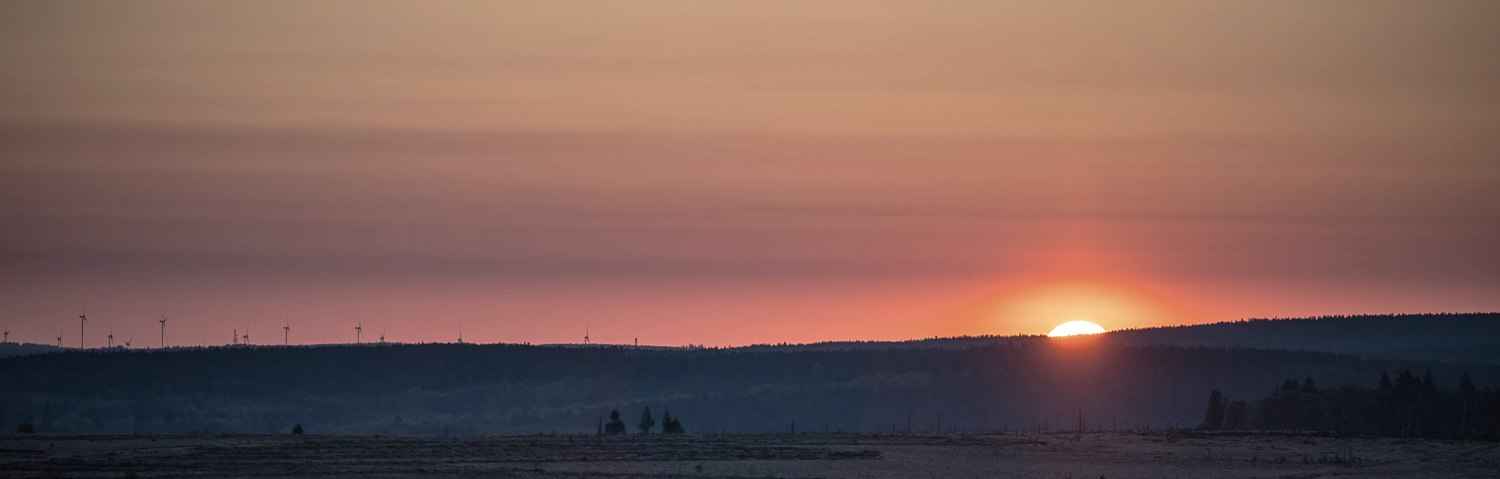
x: 1056, y: 455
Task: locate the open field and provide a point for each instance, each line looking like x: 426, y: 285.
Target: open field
x: 1057, y: 455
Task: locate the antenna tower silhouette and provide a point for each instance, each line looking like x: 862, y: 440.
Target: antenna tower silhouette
x: 460, y: 334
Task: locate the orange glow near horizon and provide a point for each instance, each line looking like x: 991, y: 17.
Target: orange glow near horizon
x: 1036, y: 307
x: 730, y: 173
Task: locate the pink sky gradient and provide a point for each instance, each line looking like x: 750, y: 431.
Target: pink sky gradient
x: 724, y: 174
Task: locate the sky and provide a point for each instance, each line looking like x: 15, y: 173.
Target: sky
x: 729, y: 173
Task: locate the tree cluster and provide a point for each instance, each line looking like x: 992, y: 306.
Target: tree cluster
x: 1407, y: 406
x: 616, y: 426
x: 670, y: 424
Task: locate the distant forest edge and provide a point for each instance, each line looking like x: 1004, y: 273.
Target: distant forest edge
x: 1467, y: 337
x: 1115, y: 381
x: 1404, y: 407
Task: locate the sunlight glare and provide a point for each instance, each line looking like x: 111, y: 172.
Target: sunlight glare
x: 1074, y: 328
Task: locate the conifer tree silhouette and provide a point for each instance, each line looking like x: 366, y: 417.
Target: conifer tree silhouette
x: 647, y: 422
x: 615, y: 426
x: 1214, y: 418
x: 1308, y: 386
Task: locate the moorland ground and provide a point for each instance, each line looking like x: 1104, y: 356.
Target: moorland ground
x: 1052, y: 455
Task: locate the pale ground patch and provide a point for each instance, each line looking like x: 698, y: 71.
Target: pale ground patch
x: 1161, y: 454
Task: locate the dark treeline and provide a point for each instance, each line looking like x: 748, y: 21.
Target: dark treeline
x: 22, y: 349
x: 1468, y: 337
x: 1406, y: 406
x: 512, y: 389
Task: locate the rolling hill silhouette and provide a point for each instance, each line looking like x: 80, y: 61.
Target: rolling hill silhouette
x: 1473, y: 337
x: 1135, y: 379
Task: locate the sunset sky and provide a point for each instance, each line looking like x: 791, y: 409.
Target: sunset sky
x: 727, y: 173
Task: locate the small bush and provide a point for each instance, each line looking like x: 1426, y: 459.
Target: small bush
x: 297, y: 429
x: 26, y: 428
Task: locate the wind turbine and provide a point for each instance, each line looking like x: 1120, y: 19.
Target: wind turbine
x: 286, y: 332
x: 358, y: 330
x: 59, y: 339
x: 460, y: 334
x: 83, y: 317
x: 163, y: 322
x: 246, y: 337
x: 127, y: 342
x: 585, y: 333
x: 7, y: 335
x: 111, y: 336
x: 382, y: 335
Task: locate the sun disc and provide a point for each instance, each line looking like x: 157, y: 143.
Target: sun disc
x: 1074, y: 328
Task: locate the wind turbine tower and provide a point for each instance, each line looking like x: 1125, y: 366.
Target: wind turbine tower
x: 382, y: 335
x: 585, y: 333
x: 359, y: 329
x: 7, y: 335
x: 246, y: 337
x: 163, y: 322
x: 83, y: 317
x: 59, y: 339
x: 111, y: 336
x: 460, y: 334
x: 286, y: 332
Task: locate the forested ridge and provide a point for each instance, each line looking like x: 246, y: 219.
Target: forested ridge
x: 472, y: 389
x: 1132, y: 379
x: 1445, y: 336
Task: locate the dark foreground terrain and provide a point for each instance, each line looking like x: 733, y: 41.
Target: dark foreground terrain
x: 1056, y: 455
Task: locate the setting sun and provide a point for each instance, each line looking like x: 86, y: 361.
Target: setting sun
x: 1036, y: 307
x: 765, y: 239
x: 1074, y: 328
